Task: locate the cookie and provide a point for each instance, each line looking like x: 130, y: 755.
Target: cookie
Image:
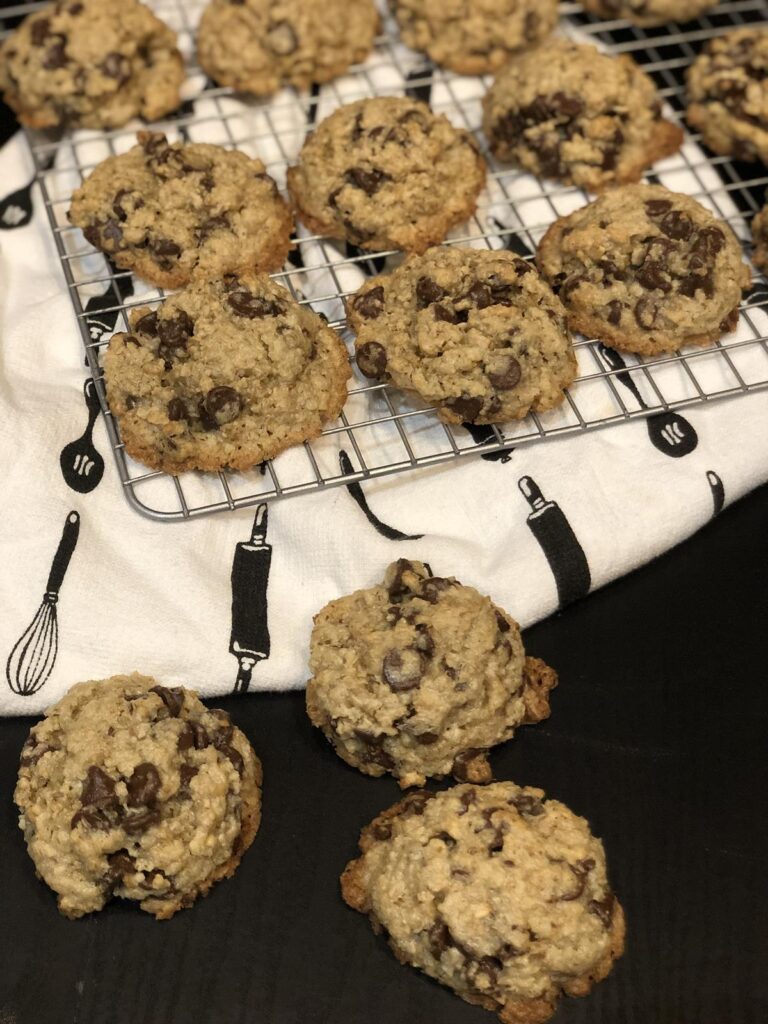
x: 494, y: 891
x: 474, y: 332
x: 168, y: 211
x: 257, y: 46
x: 649, y: 12
x: 472, y: 38
x: 569, y: 112
x: 91, y: 64
x: 132, y: 789
x: 419, y: 676
x: 760, y: 240
x: 645, y: 270
x: 728, y: 94
x: 386, y: 173
x: 225, y: 373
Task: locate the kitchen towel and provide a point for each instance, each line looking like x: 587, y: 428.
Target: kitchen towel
x: 90, y: 588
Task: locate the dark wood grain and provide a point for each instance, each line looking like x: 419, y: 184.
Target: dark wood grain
x: 657, y: 736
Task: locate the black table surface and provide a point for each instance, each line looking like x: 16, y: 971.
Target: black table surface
x: 657, y: 736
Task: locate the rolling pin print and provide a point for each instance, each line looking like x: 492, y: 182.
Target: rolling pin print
x: 249, y: 640
x: 559, y: 543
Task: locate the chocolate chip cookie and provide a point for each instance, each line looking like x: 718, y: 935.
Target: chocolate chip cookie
x: 476, y: 333
x: 386, y: 173
x: 258, y: 46
x: 226, y: 373
x: 473, y: 38
x: 90, y: 64
x: 728, y: 94
x: 646, y: 270
x: 649, y: 12
x: 568, y: 111
x: 494, y: 891
x: 168, y: 211
x: 419, y: 676
x: 132, y: 789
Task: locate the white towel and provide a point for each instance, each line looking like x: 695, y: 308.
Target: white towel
x: 194, y: 602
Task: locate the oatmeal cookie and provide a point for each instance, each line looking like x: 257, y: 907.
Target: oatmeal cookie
x: 647, y: 13
x: 646, y: 270
x: 387, y: 173
x: 168, y: 211
x: 495, y: 892
x: 475, y: 332
x: 226, y: 373
x: 132, y: 789
x: 568, y: 111
x: 419, y: 676
x: 90, y: 64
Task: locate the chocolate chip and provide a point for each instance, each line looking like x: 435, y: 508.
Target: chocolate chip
x: 465, y: 406
x: 507, y: 374
x: 427, y: 738
x: 93, y: 817
x: 646, y: 312
x: 174, y: 333
x: 244, y: 303
x: 372, y: 359
x: 118, y: 204
x: 121, y: 863
x: 369, y: 181
x: 135, y: 824
x: 424, y: 641
x: 428, y: 291
x: 403, y: 669
x: 218, y: 223
x: 98, y: 788
x: 449, y: 316
x: 172, y: 697
x: 374, y: 748
x: 193, y: 735
x: 446, y: 838
x: 657, y: 207
x: 112, y: 232
x: 281, y: 39
x: 677, y: 225
x: 532, y: 27
x: 143, y: 785
x: 55, y: 56
x: 613, y: 316
x: 222, y: 405
x: 480, y: 295
x: 370, y: 303
x: 382, y: 831
x: 527, y: 804
x: 147, y: 324
x: 440, y: 939
x: 397, y: 587
x: 165, y: 252
x: 177, y: 410
x: 603, y: 909
x: 432, y: 588
x: 153, y: 143
x: 115, y: 65
x: 32, y: 751
x: 187, y: 772
x: 461, y: 768
x: 501, y: 622
x: 415, y: 802
x: 40, y: 31
x: 707, y: 243
x: 467, y: 799
x: 653, y: 275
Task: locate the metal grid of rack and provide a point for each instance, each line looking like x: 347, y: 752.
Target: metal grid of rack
x: 381, y: 432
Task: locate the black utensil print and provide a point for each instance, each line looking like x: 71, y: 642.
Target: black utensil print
x: 513, y: 242
x: 81, y: 465
x: 669, y: 432
x: 32, y: 659
x: 16, y: 209
x: 559, y: 543
x: 418, y: 84
x: 117, y: 291
x: 187, y: 109
x: 356, y: 492
x: 480, y: 434
x: 249, y: 639
x: 717, y: 488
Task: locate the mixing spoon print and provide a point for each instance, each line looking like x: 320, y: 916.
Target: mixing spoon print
x: 81, y: 465
x: 669, y: 432
x: 16, y: 209
x: 32, y: 659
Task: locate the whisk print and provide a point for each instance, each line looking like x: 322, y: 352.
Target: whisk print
x: 356, y: 493
x: 31, y: 661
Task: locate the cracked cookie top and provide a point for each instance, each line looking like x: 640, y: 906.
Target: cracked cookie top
x: 473, y: 38
x: 568, y: 111
x: 386, y: 173
x: 170, y: 210
x: 91, y: 64
x: 132, y: 789
x: 645, y: 270
x: 475, y: 332
x: 419, y: 676
x: 258, y: 46
x: 728, y: 94
x: 494, y: 891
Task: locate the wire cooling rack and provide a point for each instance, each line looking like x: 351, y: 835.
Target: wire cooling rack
x: 381, y: 432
